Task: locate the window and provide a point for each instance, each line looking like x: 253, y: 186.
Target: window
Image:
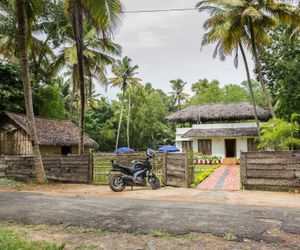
x: 251, y: 144
x: 204, y: 146
x: 187, y: 146
x: 65, y: 150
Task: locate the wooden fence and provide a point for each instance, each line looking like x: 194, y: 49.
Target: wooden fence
x: 172, y: 169
x: 271, y: 170
x: 71, y: 168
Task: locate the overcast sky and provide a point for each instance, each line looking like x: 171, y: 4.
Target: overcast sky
x: 167, y: 45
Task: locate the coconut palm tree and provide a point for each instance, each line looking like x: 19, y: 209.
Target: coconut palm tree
x: 124, y: 74
x: 105, y: 15
x: 98, y: 52
x: 41, y: 47
x: 250, y: 20
x: 26, y: 12
x: 177, y: 91
x: 226, y: 44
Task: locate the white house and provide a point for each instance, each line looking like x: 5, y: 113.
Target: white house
x: 223, y: 129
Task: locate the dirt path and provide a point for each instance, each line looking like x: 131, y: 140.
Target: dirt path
x: 242, y: 197
x: 88, y: 238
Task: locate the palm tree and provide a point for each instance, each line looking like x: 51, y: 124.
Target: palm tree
x: 42, y: 46
x: 226, y: 44
x: 105, y: 15
x: 98, y: 52
x: 199, y: 86
x: 177, y: 91
x: 124, y: 74
x: 249, y: 20
x: 25, y: 11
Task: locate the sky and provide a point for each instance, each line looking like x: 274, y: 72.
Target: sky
x: 167, y: 45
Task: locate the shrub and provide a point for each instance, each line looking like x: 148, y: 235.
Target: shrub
x: 278, y: 134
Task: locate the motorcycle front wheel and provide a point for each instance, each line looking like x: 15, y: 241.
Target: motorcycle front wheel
x: 154, y: 182
x: 116, y: 183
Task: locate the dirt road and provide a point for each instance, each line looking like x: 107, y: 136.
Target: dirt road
x: 138, y: 215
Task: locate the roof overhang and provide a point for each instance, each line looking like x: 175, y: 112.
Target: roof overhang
x: 221, y: 132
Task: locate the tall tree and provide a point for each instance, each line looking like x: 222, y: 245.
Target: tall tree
x: 25, y: 11
x: 199, y: 86
x: 105, y: 15
x: 282, y: 76
x: 250, y: 21
x: 124, y: 74
x: 177, y: 92
x: 98, y: 52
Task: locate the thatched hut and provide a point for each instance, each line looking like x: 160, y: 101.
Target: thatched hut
x: 218, y: 112
x: 222, y: 129
x: 55, y: 136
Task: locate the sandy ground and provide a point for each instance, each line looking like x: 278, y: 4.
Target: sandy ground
x: 242, y: 197
x: 87, y: 238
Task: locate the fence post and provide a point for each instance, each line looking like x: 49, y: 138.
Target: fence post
x: 164, y: 168
x: 186, y: 169
x: 90, y: 169
x: 243, y: 168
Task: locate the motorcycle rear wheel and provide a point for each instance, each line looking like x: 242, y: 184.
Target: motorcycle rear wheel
x: 154, y: 182
x: 116, y: 183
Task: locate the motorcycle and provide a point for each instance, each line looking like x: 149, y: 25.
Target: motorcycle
x: 121, y: 176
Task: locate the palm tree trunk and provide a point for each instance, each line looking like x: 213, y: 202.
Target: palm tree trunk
x: 128, y: 119
x: 259, y: 73
x: 22, y: 30
x: 77, y: 22
x: 120, y: 119
x: 250, y: 88
x: 72, y: 98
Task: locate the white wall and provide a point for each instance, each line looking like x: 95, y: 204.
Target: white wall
x: 218, y: 143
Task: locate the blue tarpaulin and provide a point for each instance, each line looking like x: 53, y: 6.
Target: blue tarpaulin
x: 124, y: 150
x: 168, y: 148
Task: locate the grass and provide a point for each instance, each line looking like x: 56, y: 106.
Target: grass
x: 9, y: 182
x: 201, y: 172
x: 10, y: 241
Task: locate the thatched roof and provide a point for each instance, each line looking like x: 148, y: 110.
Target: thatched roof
x: 221, y: 132
x: 50, y: 131
x: 218, y: 112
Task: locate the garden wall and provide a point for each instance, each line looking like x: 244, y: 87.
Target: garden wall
x: 71, y: 168
x: 274, y: 170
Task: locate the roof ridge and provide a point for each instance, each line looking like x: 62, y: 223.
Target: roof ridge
x: 37, y: 116
x: 216, y: 103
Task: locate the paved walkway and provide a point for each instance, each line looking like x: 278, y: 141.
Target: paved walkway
x: 224, y: 178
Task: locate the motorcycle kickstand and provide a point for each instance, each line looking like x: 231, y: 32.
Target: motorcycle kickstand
x: 131, y: 187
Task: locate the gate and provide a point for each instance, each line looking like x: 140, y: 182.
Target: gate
x: 177, y: 170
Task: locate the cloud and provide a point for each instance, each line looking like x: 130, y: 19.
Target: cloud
x: 167, y: 45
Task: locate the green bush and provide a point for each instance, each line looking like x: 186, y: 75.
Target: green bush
x: 10, y: 241
x: 278, y: 134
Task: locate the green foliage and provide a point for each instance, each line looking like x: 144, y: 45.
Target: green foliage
x: 278, y: 134
x: 177, y: 92
x: 11, y: 88
x: 280, y: 64
x: 100, y: 124
x: 10, y: 241
x: 48, y: 102
x: 211, y: 92
x: 10, y: 182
